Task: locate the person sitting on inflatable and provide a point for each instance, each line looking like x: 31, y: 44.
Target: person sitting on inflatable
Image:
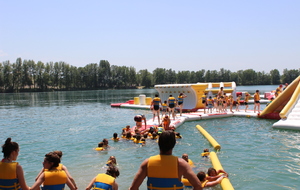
x: 138, y: 120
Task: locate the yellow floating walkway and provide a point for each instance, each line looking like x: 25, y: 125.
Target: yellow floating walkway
x: 212, y: 141
x: 225, y: 183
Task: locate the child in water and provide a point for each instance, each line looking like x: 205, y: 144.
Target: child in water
x: 100, y: 146
x: 112, y: 161
x: 205, y: 153
x: 115, y: 137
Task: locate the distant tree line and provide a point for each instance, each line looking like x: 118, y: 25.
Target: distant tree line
x: 28, y: 75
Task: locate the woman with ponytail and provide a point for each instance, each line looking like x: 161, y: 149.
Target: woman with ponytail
x: 11, y: 173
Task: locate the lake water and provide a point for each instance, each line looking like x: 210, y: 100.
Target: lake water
x: 255, y: 155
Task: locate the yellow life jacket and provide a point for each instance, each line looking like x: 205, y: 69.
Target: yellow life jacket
x: 99, y: 148
x: 180, y: 99
x: 156, y: 101
x: 104, y: 182
x: 191, y: 163
x: 8, y: 176
x: 204, y: 183
x: 163, y: 173
x: 186, y: 182
x: 204, y: 154
x: 172, y: 100
x: 54, y: 180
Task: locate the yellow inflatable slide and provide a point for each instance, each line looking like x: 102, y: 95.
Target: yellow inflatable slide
x: 285, y: 108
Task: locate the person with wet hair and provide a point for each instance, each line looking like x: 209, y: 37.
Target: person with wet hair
x: 52, y: 178
x: 11, y: 173
x: 105, y: 181
x: 164, y: 171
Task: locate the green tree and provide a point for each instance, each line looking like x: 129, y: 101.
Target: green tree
x: 40, y: 69
x: 170, y: 77
x: 289, y: 75
x: 183, y: 77
x: 26, y: 78
x: 7, y: 75
x: 17, y: 74
x: 104, y: 73
x: 159, y: 75
x: 146, y: 78
x: 132, y: 77
x: 275, y: 76
x: 249, y: 77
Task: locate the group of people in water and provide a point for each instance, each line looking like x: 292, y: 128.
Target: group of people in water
x: 163, y: 170
x: 53, y: 175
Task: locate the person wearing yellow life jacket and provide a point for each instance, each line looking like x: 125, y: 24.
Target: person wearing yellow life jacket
x: 100, y: 146
x: 205, y: 183
x: 180, y: 102
x: 164, y: 108
x: 115, y: 137
x: 278, y: 90
x: 60, y: 167
x: 185, y: 181
x: 256, y: 101
x: 112, y: 161
x: 155, y: 105
x: 52, y: 178
x: 247, y: 97
x: 105, y: 181
x: 11, y: 173
x: 210, y: 104
x: 172, y: 105
x: 205, y: 153
x: 164, y: 171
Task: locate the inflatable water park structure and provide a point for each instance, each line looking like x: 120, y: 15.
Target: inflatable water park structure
x: 285, y: 107
x: 194, y: 92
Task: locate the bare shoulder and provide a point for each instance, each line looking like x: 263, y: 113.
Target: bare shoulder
x: 183, y: 166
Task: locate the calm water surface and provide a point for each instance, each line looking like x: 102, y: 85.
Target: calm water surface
x: 255, y: 155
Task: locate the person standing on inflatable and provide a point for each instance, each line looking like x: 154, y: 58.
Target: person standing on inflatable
x: 256, y: 101
x: 138, y: 120
x: 172, y: 105
x: 180, y: 101
x: 155, y: 105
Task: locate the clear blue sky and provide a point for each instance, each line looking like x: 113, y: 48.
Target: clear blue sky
x: 182, y: 35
